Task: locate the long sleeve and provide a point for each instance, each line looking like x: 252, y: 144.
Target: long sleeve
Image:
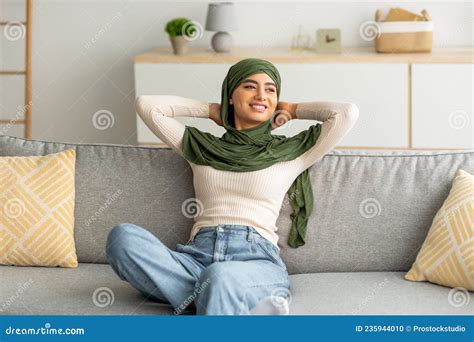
x: 158, y: 112
x: 338, y: 119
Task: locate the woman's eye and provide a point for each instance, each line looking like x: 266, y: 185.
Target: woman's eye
x: 253, y: 87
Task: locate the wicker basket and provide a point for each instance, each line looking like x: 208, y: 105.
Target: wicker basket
x: 404, y: 36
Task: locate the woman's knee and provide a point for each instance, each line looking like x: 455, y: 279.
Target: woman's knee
x: 120, y: 239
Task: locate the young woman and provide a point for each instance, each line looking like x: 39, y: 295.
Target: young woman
x: 231, y: 264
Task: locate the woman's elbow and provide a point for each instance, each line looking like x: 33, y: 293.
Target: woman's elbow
x: 351, y: 112
x: 144, y: 106
x: 140, y: 103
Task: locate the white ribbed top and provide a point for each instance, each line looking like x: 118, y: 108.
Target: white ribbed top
x: 244, y: 198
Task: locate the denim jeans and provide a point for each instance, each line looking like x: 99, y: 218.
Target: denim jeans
x: 224, y: 269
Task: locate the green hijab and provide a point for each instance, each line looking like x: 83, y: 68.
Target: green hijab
x: 255, y: 148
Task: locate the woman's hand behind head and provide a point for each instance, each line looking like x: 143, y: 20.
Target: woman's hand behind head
x: 282, y: 115
x: 215, y: 113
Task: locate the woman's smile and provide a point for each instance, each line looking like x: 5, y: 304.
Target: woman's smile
x: 258, y: 108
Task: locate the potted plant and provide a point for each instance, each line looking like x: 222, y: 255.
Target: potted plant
x: 179, y: 31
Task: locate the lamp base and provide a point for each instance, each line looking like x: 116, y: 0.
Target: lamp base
x: 222, y: 42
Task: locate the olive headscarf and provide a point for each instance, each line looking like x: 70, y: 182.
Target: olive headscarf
x: 255, y: 148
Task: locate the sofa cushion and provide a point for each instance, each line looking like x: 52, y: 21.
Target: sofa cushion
x: 374, y: 293
x: 94, y: 289
x: 372, y: 209
x: 89, y: 289
x: 447, y: 255
x: 37, y: 210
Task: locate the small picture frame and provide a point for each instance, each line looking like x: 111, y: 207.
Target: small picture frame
x: 328, y: 41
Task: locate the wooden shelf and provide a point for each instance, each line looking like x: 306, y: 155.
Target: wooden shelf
x: 12, y: 72
x: 12, y: 121
x: 13, y: 23
x: 452, y: 55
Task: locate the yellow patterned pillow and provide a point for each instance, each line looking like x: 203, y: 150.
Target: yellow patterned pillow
x: 37, y: 210
x: 447, y: 255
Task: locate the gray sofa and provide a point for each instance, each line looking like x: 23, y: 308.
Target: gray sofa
x: 372, y: 211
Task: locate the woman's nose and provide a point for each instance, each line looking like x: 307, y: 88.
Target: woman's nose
x: 260, y: 94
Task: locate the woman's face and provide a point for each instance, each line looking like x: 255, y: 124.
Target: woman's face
x: 254, y: 100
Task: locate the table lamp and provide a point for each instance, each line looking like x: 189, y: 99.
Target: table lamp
x: 221, y: 18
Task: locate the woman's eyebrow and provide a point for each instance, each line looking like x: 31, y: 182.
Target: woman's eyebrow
x: 252, y: 81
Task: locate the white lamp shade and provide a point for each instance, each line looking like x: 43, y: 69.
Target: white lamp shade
x: 221, y: 17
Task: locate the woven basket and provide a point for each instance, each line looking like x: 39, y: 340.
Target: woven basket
x: 404, y: 36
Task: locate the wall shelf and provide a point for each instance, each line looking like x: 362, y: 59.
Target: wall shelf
x: 283, y: 55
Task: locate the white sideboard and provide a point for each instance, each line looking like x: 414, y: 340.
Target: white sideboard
x: 442, y: 105
x: 406, y: 101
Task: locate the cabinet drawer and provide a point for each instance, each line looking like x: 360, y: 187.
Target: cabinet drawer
x: 379, y: 90
x: 442, y: 105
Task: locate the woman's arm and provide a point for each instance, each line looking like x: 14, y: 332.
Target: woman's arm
x: 337, y: 118
x: 158, y: 112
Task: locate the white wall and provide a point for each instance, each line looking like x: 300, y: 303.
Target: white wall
x: 83, y: 51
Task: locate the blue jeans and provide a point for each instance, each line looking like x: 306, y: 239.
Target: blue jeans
x: 225, y: 269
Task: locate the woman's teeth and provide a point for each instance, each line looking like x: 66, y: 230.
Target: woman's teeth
x: 258, y: 108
